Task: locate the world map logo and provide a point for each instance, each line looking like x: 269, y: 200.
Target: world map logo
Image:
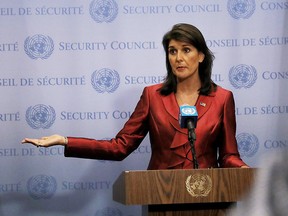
x: 103, y: 10
x: 41, y: 186
x: 105, y: 80
x: 38, y: 46
x: 248, y: 144
x: 40, y: 116
x: 241, y: 9
x: 199, y: 185
x: 242, y: 76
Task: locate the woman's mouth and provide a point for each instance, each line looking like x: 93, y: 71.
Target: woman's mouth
x: 180, y: 68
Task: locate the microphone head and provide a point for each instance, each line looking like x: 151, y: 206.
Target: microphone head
x: 187, y: 112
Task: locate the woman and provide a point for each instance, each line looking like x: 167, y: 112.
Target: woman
x: 188, y: 81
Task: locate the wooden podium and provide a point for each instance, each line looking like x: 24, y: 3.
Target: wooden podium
x: 201, y: 192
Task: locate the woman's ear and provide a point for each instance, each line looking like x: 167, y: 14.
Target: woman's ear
x: 201, y: 57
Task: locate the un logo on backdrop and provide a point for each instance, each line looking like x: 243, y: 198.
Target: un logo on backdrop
x: 248, y: 144
x: 103, y: 10
x: 40, y: 116
x: 38, y: 46
x: 105, y: 80
x: 108, y: 211
x: 241, y: 8
x: 41, y: 186
x: 242, y: 76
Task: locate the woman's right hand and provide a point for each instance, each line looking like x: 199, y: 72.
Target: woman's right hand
x: 47, y: 141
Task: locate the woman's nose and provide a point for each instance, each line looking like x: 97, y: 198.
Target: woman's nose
x: 179, y: 56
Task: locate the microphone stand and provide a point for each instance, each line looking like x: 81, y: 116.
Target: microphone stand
x: 192, y: 138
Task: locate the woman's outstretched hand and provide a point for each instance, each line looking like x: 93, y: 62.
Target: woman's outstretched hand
x: 47, y: 141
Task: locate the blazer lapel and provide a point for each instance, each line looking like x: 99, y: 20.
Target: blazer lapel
x: 172, y: 108
x: 204, y: 103
x: 171, y: 105
x: 180, y: 139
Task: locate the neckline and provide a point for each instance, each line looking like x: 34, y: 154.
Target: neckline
x: 181, y: 102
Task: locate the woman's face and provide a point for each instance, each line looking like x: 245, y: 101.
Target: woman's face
x: 184, y: 59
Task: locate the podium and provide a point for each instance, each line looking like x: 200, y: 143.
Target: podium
x: 201, y: 192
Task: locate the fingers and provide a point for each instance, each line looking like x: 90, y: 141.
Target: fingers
x: 46, y: 141
x: 244, y: 166
x: 28, y: 140
x: 36, y: 142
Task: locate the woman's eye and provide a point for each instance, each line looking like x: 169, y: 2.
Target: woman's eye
x: 172, y: 51
x: 187, y: 50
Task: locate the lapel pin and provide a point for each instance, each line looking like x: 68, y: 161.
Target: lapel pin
x: 202, y: 104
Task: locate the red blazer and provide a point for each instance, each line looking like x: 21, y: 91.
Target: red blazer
x: 157, y: 114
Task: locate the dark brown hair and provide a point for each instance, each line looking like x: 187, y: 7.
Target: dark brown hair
x: 189, y: 34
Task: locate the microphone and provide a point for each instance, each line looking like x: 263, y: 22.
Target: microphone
x: 188, y: 117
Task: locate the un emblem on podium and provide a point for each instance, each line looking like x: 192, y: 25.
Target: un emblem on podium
x: 199, y: 185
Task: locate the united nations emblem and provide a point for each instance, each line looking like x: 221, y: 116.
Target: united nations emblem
x: 108, y: 211
x: 39, y: 46
x: 103, y: 10
x: 241, y: 8
x: 199, y: 185
x: 248, y: 144
x: 40, y: 116
x: 41, y: 186
x: 105, y: 80
x: 242, y: 76
x: 188, y: 110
